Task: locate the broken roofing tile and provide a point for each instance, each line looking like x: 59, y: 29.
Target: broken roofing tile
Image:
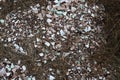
x: 40, y: 16
x: 66, y: 54
x: 37, y: 5
x: 47, y: 43
x: 48, y: 15
x: 51, y: 77
x: 93, y: 15
x: 2, y: 21
x: 16, y: 46
x: 58, y: 45
x: 73, y: 9
x: 82, y: 0
x: 87, y: 45
x: 53, y: 43
x: 23, y: 68
x: 12, y: 65
x: 62, y: 33
x: 49, y: 21
x: 2, y: 72
x: 87, y: 29
x: 82, y: 17
x: 21, y: 50
x: 45, y: 61
x: 61, y: 13
x: 41, y: 54
x: 9, y: 39
x: 38, y: 39
x: 31, y: 35
x: 34, y: 9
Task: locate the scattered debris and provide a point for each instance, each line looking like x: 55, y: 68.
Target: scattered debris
x: 63, y: 29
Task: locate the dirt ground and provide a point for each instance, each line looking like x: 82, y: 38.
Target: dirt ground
x: 108, y: 54
x: 111, y: 52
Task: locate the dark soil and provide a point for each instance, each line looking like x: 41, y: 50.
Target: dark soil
x: 109, y: 53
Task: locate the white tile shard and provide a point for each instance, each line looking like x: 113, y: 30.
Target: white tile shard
x: 87, y: 29
x: 37, y: 5
x: 87, y: 45
x: 73, y: 9
x: 21, y: 50
x: 24, y: 68
x: 8, y: 74
x: 49, y: 21
x: 37, y: 39
x: 47, y: 43
x: 34, y: 9
x: 33, y: 78
x: 40, y: 16
x: 2, y: 72
x: 9, y: 39
x: 2, y: 21
x: 53, y: 43
x: 16, y: 46
x: 31, y: 35
x: 62, y: 33
x: 82, y: 0
x: 48, y: 15
x: 12, y: 65
x: 41, y: 54
x: 51, y: 77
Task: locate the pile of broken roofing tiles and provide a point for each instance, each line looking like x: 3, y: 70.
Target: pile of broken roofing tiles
x: 63, y: 28
x: 11, y: 71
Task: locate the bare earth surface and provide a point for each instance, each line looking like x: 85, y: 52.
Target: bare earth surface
x: 53, y: 40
